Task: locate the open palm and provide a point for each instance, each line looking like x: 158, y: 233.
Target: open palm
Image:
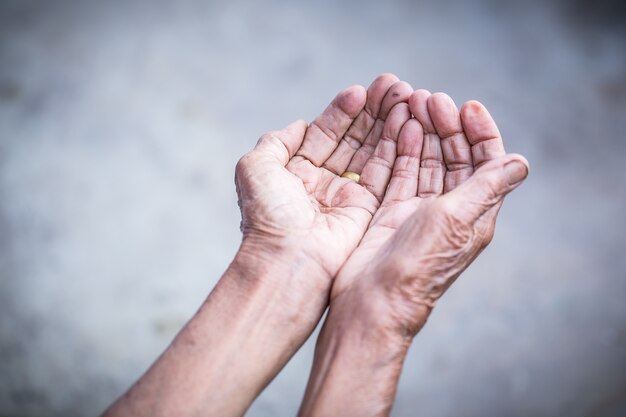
x: 290, y: 185
x: 440, y: 207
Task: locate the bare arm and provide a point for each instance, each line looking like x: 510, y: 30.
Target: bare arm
x: 239, y: 339
x: 357, y: 362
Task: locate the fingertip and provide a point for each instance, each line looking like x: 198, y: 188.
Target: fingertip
x: 474, y: 110
x: 472, y: 106
x: 439, y: 95
x: 418, y: 103
x: 298, y: 123
x: 444, y: 114
x: 402, y: 88
x: 520, y: 158
x: 441, y: 101
x: 407, y: 84
x: 504, y: 173
x: 418, y: 97
x: 351, y: 100
x: 357, y: 87
x: 516, y: 168
x: 377, y: 92
x: 387, y: 77
x: 478, y: 124
x: 296, y: 126
x: 399, y: 92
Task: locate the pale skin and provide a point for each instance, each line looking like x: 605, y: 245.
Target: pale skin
x: 382, y: 251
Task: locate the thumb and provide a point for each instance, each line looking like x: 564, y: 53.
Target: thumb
x: 283, y: 144
x: 490, y: 184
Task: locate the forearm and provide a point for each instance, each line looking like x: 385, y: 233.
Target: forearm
x: 242, y: 335
x: 357, y: 365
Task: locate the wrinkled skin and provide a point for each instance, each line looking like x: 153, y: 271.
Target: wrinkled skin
x: 385, y: 249
x: 290, y: 191
x: 438, y: 213
x: 432, y: 182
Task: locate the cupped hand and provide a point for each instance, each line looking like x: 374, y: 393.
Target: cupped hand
x: 291, y: 193
x: 450, y: 176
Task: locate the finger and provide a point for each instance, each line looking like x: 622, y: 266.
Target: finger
x: 488, y: 186
x: 327, y: 129
x: 482, y: 133
x: 377, y: 170
x: 283, y: 144
x: 432, y: 167
x: 457, y: 153
x: 399, y: 92
x: 363, y: 124
x: 403, y: 183
x: 418, y: 103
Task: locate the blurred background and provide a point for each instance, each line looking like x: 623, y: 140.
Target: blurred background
x: 120, y: 126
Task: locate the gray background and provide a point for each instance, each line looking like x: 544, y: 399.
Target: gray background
x: 121, y: 122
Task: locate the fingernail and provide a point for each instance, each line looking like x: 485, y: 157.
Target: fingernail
x: 515, y: 172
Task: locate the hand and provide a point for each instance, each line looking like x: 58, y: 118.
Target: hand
x: 449, y: 179
x: 291, y: 194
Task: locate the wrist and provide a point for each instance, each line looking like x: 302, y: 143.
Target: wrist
x: 362, y: 308
x: 357, y: 363
x: 280, y: 277
x: 276, y: 258
x: 385, y: 295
